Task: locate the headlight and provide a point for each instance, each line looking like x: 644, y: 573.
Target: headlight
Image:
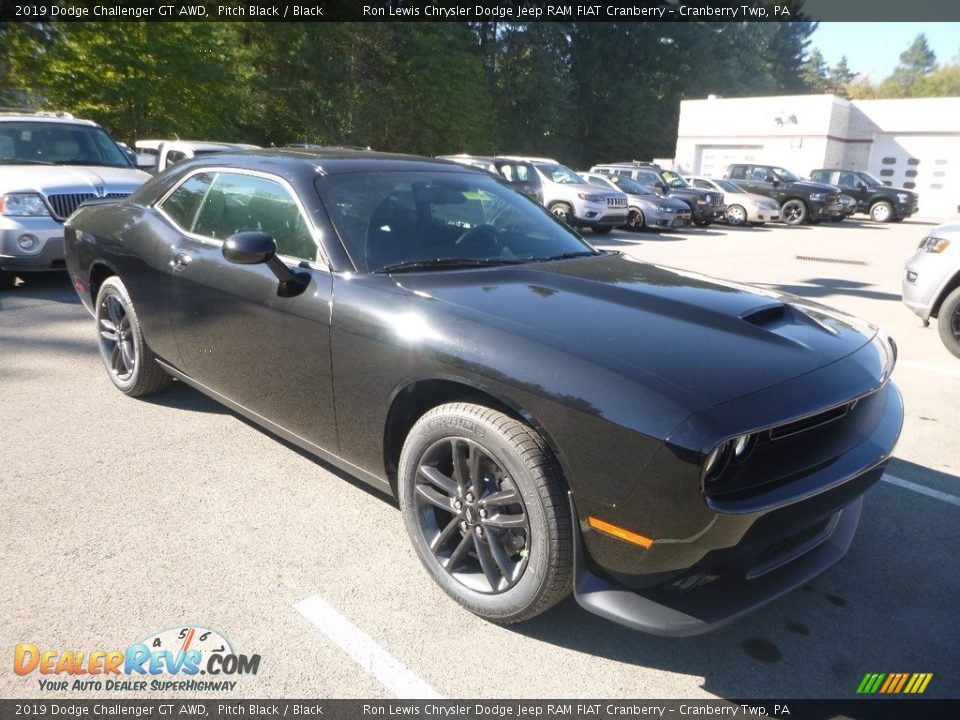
x: 817, y: 197
x: 590, y: 198
x: 934, y: 244
x: 903, y: 197
x: 701, y: 201
x: 664, y: 208
x: 23, y: 205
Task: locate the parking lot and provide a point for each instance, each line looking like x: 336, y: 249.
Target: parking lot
x: 122, y: 517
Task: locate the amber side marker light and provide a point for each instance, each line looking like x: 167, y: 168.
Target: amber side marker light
x: 619, y: 532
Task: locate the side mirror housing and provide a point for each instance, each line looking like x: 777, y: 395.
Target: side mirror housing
x: 146, y: 161
x: 861, y: 185
x: 249, y: 248
x: 255, y: 248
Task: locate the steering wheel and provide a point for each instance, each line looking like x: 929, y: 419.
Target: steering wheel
x: 474, y: 234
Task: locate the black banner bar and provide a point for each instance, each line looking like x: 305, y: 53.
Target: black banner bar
x: 207, y: 709
x: 480, y: 10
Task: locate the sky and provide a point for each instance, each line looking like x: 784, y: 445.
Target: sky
x: 874, y: 48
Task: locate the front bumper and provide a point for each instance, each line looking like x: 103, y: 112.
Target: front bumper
x: 46, y: 255
x: 924, y: 275
x: 708, y: 213
x: 756, y: 214
x: 671, y: 218
x: 823, y: 211
x: 707, y: 607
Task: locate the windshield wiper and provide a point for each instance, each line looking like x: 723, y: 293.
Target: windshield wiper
x: 568, y: 255
x: 445, y: 264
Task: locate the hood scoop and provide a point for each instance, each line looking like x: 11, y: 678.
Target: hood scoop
x: 765, y: 315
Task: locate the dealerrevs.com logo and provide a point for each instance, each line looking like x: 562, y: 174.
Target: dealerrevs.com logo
x: 173, y: 659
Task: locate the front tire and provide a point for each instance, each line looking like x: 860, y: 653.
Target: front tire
x: 131, y: 365
x: 948, y: 322
x: 483, y: 501
x: 563, y: 212
x: 881, y: 211
x: 736, y: 215
x: 794, y: 212
x: 635, y: 220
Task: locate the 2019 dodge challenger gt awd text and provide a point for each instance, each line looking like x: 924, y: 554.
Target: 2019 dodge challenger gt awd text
x: 677, y: 450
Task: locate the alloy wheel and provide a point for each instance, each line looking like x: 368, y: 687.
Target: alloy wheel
x: 471, y: 516
x: 736, y: 215
x: 117, y: 338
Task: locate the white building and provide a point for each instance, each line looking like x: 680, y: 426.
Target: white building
x: 911, y: 143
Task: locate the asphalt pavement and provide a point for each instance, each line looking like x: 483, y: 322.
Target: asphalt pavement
x: 120, y: 518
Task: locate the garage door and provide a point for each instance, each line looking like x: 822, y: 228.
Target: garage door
x: 712, y: 160
x: 927, y: 164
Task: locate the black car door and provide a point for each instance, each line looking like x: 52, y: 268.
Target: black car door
x: 852, y: 185
x: 235, y: 333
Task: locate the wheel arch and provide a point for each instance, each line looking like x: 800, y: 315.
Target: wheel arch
x: 948, y: 287
x: 99, y: 271
x: 412, y: 400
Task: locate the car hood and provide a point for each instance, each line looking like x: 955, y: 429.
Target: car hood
x: 814, y: 187
x: 892, y: 189
x: 697, y: 339
x: 663, y: 200
x: 53, y: 179
x: 750, y: 197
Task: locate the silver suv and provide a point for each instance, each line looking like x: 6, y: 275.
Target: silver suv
x: 557, y: 188
x: 49, y: 164
x: 931, y: 283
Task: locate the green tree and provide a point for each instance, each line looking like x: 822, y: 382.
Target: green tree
x: 814, y: 72
x: 839, y: 77
x: 915, y: 62
x: 143, y: 78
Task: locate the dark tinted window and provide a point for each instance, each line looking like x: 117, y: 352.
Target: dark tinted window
x: 738, y: 172
x: 35, y: 141
x: 848, y: 179
x: 183, y: 203
x: 389, y: 218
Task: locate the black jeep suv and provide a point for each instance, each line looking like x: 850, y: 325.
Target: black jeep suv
x: 881, y: 202
x: 800, y: 201
x: 705, y: 206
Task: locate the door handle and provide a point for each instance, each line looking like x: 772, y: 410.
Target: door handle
x: 179, y: 261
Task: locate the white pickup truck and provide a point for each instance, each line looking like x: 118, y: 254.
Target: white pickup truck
x: 166, y: 153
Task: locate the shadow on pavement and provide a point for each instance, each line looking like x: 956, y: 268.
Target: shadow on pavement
x: 826, y: 287
x: 53, y: 286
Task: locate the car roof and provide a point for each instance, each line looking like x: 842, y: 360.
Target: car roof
x: 328, y: 162
x: 61, y: 118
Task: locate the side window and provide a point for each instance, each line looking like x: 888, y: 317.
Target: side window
x: 738, y: 172
x: 848, y: 180
x: 183, y: 203
x: 238, y: 203
x: 702, y: 184
x: 175, y: 156
x: 596, y: 181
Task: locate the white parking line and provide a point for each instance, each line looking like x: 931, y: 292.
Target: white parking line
x: 394, y: 675
x: 922, y: 489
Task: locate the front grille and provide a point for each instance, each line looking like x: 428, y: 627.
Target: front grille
x: 616, y: 202
x: 715, y: 199
x: 63, y: 206
x: 832, y: 199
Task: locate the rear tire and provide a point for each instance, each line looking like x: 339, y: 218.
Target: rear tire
x: 484, y: 504
x: 948, y: 322
x: 130, y: 363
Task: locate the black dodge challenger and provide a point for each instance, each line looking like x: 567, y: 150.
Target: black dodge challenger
x: 677, y: 449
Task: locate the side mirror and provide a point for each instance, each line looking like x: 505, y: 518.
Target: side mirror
x: 255, y: 247
x: 776, y: 183
x: 145, y: 161
x: 861, y: 186
x: 770, y: 179
x: 249, y: 248
x: 665, y: 188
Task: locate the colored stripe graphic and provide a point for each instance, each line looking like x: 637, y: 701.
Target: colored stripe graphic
x: 894, y: 683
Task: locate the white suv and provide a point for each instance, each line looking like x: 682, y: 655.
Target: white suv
x: 558, y: 188
x: 931, y: 283
x: 49, y: 164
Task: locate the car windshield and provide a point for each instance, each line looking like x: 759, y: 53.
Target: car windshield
x: 422, y: 220
x: 648, y: 178
x: 559, y: 174
x: 870, y: 179
x: 726, y: 186
x: 784, y: 174
x: 31, y: 142
x: 628, y: 185
x: 674, y: 180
